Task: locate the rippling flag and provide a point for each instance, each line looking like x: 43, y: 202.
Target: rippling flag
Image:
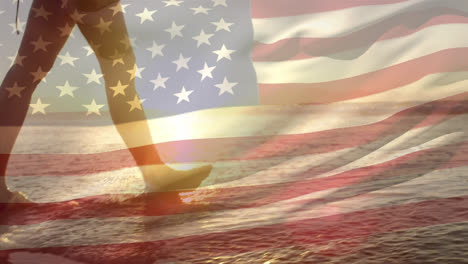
x: 333, y: 127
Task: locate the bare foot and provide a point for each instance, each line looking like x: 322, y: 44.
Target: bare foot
x: 14, y: 197
x: 163, y: 178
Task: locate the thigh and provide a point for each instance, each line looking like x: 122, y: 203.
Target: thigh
x: 47, y: 30
x: 110, y: 43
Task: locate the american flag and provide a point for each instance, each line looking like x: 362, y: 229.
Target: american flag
x: 336, y: 129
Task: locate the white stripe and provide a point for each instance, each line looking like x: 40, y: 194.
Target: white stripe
x: 96, y: 231
x: 248, y: 121
x: 382, y: 54
x: 339, y: 23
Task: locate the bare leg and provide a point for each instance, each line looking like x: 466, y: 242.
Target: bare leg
x: 118, y: 65
x: 23, y: 77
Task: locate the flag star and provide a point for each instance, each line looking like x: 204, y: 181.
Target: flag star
x: 175, y: 30
x: 66, y: 30
x: 93, y: 77
x: 223, y: 53
x: 38, y: 107
x: 135, y: 72
x: 183, y: 95
x: 222, y: 25
x: 118, y: 89
x: 203, y: 38
x: 66, y: 89
x: 2, y: 11
x: 103, y: 26
x: 20, y: 26
x: 41, y: 12
x: 40, y: 44
x: 67, y: 59
x: 156, y: 49
x: 15, y: 90
x: 226, y: 86
x: 93, y: 108
x: 64, y: 3
x: 206, y: 71
x: 135, y: 103
x: 77, y: 17
x: 117, y: 8
x: 17, y: 59
x: 159, y: 82
x: 146, y: 15
x: 219, y: 2
x: 182, y: 62
x: 89, y: 49
x: 117, y: 58
x: 39, y: 75
x: 172, y: 3
x: 200, y: 10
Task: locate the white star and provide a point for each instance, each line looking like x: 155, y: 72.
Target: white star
x: 15, y: 90
x: 135, y: 103
x: 40, y: 44
x: 223, y: 53
x: 206, y: 71
x: 93, y: 108
x: 66, y: 89
x: 172, y: 3
x: 103, y: 26
x: 181, y: 62
x: 118, y: 8
x: 39, y: 107
x: 20, y: 26
x: 41, y: 12
x: 16, y: 59
x: 123, y: 8
x: 219, y: 2
x: 89, y: 49
x: 175, y: 30
x: 156, y: 49
x: 93, y: 77
x: 183, y: 95
x: 203, y: 38
x: 135, y: 72
x: 159, y: 82
x: 146, y: 15
x: 39, y: 75
x: 200, y: 10
x: 225, y: 87
x: 119, y: 89
x: 67, y: 59
x: 66, y: 30
x: 222, y: 25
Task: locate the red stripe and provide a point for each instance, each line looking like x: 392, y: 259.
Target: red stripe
x: 356, y: 182
x: 304, y: 232
x: 393, y: 27
x: 247, y: 148
x: 278, y: 8
x: 395, y: 76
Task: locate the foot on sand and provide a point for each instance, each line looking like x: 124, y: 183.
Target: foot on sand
x: 164, y: 178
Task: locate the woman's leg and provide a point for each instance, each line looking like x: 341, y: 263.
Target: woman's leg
x: 41, y: 43
x: 106, y: 32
